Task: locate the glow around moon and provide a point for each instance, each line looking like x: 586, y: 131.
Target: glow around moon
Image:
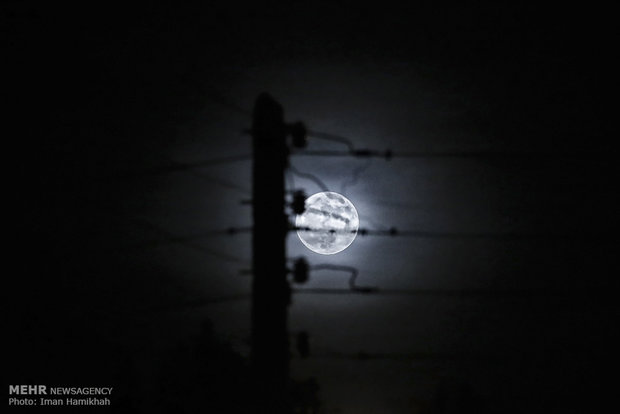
x: 329, y: 224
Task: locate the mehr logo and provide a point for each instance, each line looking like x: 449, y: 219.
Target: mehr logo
x: 27, y: 389
x: 25, y: 395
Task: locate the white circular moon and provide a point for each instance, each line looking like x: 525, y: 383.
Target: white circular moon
x: 329, y: 224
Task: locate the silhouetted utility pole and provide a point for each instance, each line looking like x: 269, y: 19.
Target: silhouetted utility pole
x: 270, y: 290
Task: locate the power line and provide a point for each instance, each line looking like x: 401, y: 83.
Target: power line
x: 412, y: 356
x: 332, y: 137
x: 200, y: 174
x: 394, y: 232
x: 310, y: 177
x: 351, y: 270
x: 389, y: 154
x: 202, y: 302
x: 462, y: 293
x: 177, y: 166
x: 355, y: 176
x: 474, y: 293
x: 189, y: 241
x: 212, y: 94
x: 218, y: 98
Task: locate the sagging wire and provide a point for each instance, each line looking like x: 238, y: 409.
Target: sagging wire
x: 177, y: 166
x: 316, y: 180
x: 352, y: 151
x: 341, y: 268
x: 301, y: 274
x: 193, y: 171
x: 355, y: 176
x: 332, y: 137
x: 190, y: 242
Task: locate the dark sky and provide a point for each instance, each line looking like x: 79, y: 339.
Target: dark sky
x: 498, y: 300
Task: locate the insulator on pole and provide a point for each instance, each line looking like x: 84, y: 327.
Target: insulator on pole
x: 299, y: 133
x: 299, y: 202
x: 301, y: 270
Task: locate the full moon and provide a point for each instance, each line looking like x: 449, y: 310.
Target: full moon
x: 329, y: 224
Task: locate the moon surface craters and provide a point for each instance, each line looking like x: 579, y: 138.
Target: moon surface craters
x: 329, y: 224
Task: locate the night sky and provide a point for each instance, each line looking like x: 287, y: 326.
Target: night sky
x: 128, y: 161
